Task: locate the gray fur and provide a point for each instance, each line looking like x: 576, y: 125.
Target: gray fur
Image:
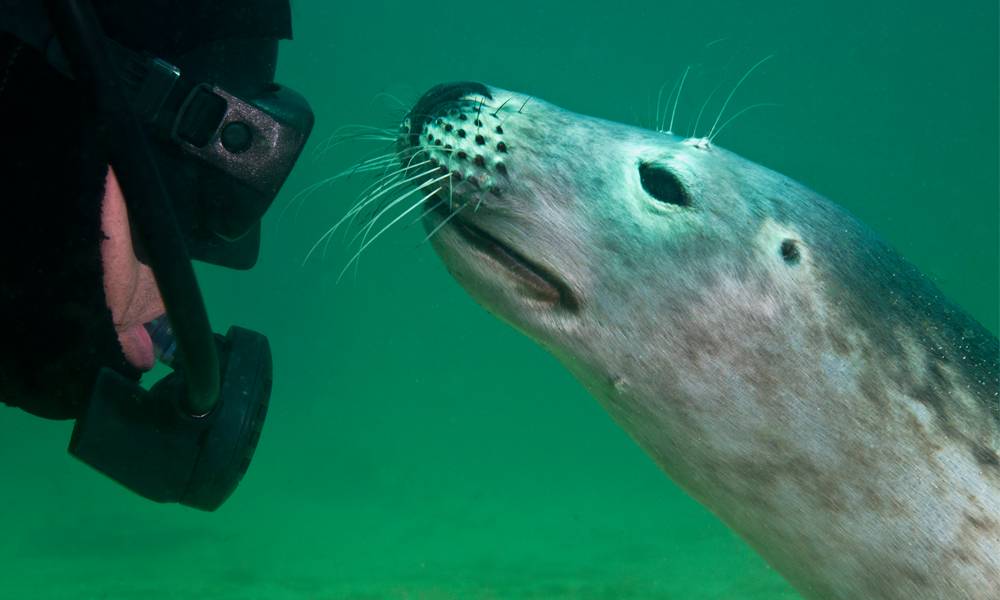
x: 836, y: 411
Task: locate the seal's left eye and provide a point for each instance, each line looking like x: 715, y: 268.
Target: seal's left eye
x: 663, y: 185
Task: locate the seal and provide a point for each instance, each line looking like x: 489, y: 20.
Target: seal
x: 772, y: 354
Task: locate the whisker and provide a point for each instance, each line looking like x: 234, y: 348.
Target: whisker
x: 331, y: 230
x: 424, y: 214
x: 358, y: 137
x: 363, y: 231
x: 404, y: 170
x: 518, y: 111
x: 390, y: 161
x: 677, y: 100
x: 474, y: 101
x: 480, y: 201
x: 441, y: 224
x: 358, y: 130
x: 307, y: 191
x: 704, y: 105
x: 738, y: 114
x: 372, y: 224
x: 709, y: 136
x: 382, y: 183
x: 502, y: 105
x: 637, y: 119
x: 386, y: 174
x: 393, y: 222
x: 659, y: 96
x: 451, y: 192
x: 365, y: 165
x: 372, y: 165
x: 392, y: 169
x: 649, y: 117
x: 381, y: 191
x: 387, y: 95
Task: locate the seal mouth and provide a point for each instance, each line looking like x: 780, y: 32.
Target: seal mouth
x: 542, y: 285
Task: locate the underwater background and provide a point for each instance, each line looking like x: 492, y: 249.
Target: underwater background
x: 418, y: 448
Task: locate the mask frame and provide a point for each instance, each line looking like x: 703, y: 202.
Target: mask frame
x: 224, y: 147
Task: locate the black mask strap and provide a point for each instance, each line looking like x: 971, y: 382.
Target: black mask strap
x: 149, y: 208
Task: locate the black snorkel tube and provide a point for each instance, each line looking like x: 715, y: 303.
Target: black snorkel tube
x: 184, y: 440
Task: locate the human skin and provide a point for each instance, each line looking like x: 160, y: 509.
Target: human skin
x: 129, y: 287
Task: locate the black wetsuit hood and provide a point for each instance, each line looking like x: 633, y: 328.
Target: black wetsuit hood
x: 56, y: 330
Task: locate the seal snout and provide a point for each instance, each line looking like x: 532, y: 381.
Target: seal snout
x: 452, y: 143
x: 452, y: 146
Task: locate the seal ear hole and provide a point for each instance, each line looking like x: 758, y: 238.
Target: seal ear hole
x: 663, y: 185
x: 790, y: 252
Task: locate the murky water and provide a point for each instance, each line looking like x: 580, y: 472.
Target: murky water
x: 418, y: 448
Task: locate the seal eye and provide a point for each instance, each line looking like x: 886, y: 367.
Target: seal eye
x: 662, y: 185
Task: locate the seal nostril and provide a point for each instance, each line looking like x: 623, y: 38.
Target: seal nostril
x: 790, y: 252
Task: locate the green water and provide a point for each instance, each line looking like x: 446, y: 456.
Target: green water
x: 418, y: 448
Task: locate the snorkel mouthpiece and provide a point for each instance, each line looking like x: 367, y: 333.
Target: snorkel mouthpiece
x: 163, y: 339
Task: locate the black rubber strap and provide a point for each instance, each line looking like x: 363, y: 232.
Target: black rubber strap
x: 81, y: 37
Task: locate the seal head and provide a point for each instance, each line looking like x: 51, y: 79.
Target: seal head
x: 771, y: 353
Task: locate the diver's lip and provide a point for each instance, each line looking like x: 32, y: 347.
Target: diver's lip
x: 543, y: 285
x: 140, y: 353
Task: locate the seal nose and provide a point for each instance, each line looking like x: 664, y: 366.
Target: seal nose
x: 439, y: 96
x: 437, y: 100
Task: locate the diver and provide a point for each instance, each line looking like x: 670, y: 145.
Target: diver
x: 138, y: 136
